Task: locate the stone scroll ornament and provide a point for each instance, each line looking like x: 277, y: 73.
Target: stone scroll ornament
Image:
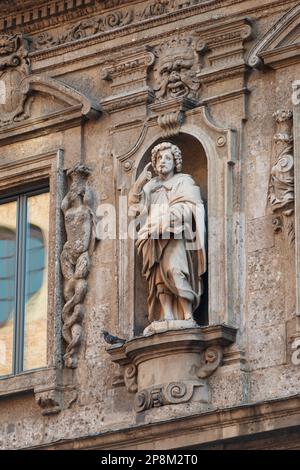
x: 14, y: 68
x: 75, y: 258
x: 281, y: 190
x: 171, y: 238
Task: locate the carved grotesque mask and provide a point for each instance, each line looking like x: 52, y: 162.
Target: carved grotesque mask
x: 8, y: 45
x: 176, y: 70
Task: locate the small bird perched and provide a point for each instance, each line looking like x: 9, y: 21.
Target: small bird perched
x: 110, y: 339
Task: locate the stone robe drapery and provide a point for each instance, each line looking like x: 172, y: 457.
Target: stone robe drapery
x: 171, y: 241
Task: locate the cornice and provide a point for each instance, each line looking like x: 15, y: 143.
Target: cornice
x: 46, y: 14
x: 239, y: 421
x: 158, y: 20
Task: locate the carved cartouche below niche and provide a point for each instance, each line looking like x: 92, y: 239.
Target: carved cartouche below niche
x: 14, y: 68
x: 281, y: 190
x: 75, y: 258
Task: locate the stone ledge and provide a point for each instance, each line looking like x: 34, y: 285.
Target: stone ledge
x: 207, y: 427
x: 172, y: 363
x: 52, y: 388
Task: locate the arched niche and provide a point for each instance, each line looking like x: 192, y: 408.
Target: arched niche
x: 215, y: 156
x: 194, y: 164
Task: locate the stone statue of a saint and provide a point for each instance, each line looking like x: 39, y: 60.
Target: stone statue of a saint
x: 171, y: 237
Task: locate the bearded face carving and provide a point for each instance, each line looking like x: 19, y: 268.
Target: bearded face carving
x: 176, y: 70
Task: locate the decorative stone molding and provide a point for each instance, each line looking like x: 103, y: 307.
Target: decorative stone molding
x: 129, y: 12
x: 172, y: 366
x: 130, y: 378
x: 224, y: 48
x: 14, y: 68
x: 296, y: 135
x: 77, y: 108
x: 130, y: 74
x: 279, y: 47
x: 75, y: 257
x: 173, y: 393
x: 49, y: 401
x: 130, y: 71
x: 211, y: 360
x: 85, y: 28
x: 170, y: 114
x: 52, y: 399
x: 281, y: 189
x: 120, y: 102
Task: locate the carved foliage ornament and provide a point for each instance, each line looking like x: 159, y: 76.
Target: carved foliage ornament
x: 281, y: 190
x: 14, y: 68
x: 75, y: 258
x: 114, y: 19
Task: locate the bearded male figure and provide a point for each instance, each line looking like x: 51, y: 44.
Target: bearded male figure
x: 171, y: 238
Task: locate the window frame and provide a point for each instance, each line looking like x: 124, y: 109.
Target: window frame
x: 21, y: 198
x: 47, y: 383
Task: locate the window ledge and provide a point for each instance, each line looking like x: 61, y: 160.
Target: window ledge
x: 53, y: 391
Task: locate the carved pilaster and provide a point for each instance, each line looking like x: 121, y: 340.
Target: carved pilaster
x: 281, y: 189
x: 75, y: 258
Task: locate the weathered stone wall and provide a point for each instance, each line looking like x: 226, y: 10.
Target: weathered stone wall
x: 260, y: 296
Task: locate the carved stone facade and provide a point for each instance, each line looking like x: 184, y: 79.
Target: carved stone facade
x: 88, y: 90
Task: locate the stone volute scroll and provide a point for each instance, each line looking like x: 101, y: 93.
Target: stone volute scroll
x: 281, y: 189
x: 170, y: 363
x: 76, y: 257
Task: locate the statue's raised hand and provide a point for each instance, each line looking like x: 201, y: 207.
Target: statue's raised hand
x: 144, y: 177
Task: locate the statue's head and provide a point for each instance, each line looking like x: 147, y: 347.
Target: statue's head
x: 78, y: 175
x: 166, y: 157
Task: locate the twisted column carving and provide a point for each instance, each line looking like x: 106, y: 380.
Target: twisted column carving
x: 75, y: 258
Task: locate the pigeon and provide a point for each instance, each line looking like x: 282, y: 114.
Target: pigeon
x: 110, y: 339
